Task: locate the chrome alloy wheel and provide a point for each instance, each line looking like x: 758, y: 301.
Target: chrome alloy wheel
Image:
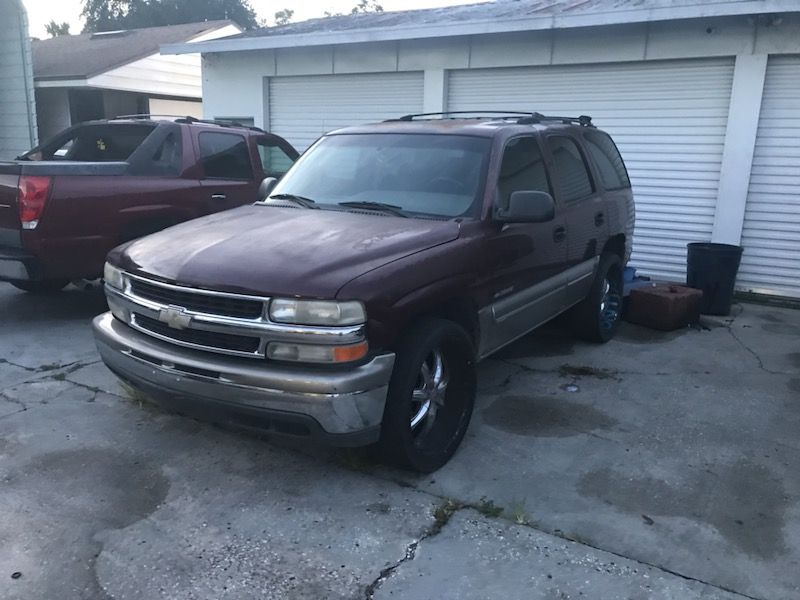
x: 429, y: 393
x: 610, y: 304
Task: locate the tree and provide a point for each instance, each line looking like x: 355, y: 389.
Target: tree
x: 108, y: 15
x: 56, y: 29
x: 282, y: 17
x: 366, y: 6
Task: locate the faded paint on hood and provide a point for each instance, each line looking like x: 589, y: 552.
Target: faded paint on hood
x: 278, y: 251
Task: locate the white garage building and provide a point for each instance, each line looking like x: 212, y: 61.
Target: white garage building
x: 703, y: 99
x: 17, y: 107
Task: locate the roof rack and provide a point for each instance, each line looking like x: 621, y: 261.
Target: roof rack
x: 522, y: 117
x: 186, y: 119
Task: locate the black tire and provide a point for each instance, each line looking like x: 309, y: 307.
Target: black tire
x: 432, y: 441
x: 46, y: 286
x: 597, y: 317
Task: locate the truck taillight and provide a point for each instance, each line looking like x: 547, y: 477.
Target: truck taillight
x: 33, y: 192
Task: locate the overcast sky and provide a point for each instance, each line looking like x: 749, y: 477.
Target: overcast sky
x: 41, y: 11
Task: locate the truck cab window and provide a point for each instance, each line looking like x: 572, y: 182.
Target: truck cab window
x: 225, y: 156
x: 522, y: 169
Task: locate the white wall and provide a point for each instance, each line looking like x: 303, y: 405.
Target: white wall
x: 181, y: 108
x: 52, y: 111
x: 161, y: 75
x: 17, y: 104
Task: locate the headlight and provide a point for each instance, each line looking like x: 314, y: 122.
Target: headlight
x: 317, y: 312
x: 113, y: 276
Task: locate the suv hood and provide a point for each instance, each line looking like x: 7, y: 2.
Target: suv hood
x: 276, y: 251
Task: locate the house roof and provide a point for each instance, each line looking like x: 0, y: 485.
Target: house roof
x: 480, y: 18
x: 87, y: 54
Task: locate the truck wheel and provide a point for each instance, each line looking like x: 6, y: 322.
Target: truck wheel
x: 597, y: 317
x: 431, y: 395
x: 41, y: 287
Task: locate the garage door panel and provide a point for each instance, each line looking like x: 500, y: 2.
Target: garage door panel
x: 304, y: 107
x: 771, y: 232
x: 668, y: 119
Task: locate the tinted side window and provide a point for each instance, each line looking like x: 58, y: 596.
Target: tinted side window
x: 225, y: 156
x: 608, y: 160
x: 522, y: 169
x: 571, y: 173
x: 167, y: 157
x: 274, y: 160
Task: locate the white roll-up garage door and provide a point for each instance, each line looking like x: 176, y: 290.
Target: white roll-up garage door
x: 668, y: 119
x: 302, y: 108
x: 771, y: 234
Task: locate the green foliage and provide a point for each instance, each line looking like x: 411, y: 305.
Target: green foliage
x: 109, y: 15
x: 56, y: 29
x: 365, y: 6
x: 282, y: 17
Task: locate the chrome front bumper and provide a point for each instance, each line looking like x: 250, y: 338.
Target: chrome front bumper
x: 343, y: 407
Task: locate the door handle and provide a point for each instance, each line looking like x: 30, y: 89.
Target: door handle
x: 218, y: 197
x: 559, y: 234
x: 599, y: 219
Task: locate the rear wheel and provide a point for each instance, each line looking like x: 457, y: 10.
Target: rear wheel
x: 431, y: 395
x: 41, y: 287
x: 597, y: 317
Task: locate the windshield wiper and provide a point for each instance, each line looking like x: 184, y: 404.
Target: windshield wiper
x: 377, y: 206
x: 301, y: 200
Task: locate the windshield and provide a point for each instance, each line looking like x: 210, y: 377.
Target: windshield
x: 420, y: 174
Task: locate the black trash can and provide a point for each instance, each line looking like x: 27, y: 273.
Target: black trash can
x: 712, y: 268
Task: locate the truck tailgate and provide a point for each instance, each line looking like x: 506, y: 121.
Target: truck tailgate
x: 9, y: 212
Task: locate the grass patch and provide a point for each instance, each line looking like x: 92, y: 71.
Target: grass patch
x: 489, y: 508
x: 442, y: 514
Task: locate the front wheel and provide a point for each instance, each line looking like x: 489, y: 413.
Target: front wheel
x: 431, y: 396
x: 597, y: 317
x: 41, y: 287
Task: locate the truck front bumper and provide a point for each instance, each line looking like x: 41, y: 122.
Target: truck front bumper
x: 339, y: 407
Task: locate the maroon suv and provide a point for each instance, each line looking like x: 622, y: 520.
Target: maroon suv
x: 354, y: 301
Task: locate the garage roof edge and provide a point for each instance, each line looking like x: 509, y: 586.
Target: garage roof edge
x: 565, y: 20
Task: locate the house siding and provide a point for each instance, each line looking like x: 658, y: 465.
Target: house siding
x: 17, y: 104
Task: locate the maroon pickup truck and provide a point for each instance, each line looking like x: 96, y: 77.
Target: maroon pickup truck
x: 67, y: 202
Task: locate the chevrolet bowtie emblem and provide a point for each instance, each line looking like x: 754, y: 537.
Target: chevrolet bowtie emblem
x: 175, y: 317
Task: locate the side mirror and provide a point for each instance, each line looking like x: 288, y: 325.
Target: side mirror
x: 266, y: 187
x: 527, y: 207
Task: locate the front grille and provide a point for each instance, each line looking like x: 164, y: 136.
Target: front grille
x: 209, y: 339
x: 242, y: 308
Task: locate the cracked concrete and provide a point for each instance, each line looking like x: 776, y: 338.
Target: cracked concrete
x: 657, y: 466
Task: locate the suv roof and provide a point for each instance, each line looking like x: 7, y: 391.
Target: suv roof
x: 183, y: 119
x: 482, y: 123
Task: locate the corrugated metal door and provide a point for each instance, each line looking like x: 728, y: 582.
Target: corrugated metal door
x: 668, y: 119
x: 302, y: 108
x: 771, y: 234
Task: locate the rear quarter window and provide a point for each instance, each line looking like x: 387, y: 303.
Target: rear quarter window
x: 607, y: 159
x: 225, y: 156
x: 571, y: 170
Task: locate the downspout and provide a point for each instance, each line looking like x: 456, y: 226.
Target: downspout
x: 27, y: 68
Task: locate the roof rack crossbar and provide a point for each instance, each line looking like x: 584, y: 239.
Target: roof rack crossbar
x: 522, y: 117
x: 509, y: 113
x: 187, y: 119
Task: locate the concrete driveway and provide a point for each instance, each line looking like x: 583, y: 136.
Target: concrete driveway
x: 657, y: 466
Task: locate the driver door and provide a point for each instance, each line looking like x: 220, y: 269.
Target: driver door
x: 525, y: 258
